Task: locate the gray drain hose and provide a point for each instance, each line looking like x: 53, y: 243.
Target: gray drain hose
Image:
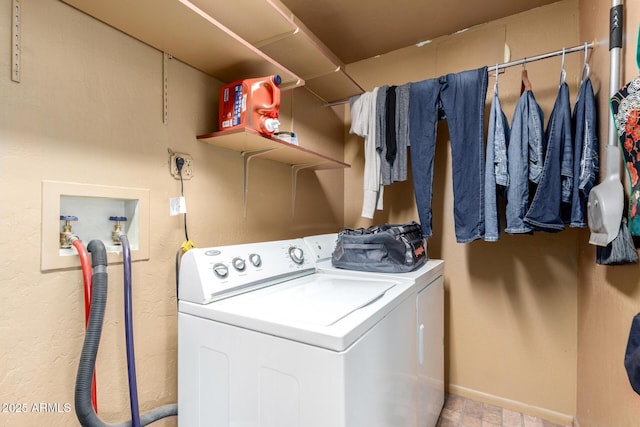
x: 84, y: 410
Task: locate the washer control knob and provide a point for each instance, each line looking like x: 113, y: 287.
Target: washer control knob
x: 255, y: 260
x: 220, y: 270
x: 296, y: 254
x: 239, y: 264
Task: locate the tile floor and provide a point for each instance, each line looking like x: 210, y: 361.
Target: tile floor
x: 461, y: 412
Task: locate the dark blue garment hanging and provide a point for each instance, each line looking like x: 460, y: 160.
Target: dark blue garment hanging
x: 390, y: 118
x: 585, y: 151
x: 555, y: 186
x: 632, y: 354
x: 462, y: 97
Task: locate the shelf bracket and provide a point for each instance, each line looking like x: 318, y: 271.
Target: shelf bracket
x: 294, y: 181
x: 246, y: 158
x: 16, y: 40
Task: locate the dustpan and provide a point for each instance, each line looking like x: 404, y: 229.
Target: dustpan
x: 606, y: 200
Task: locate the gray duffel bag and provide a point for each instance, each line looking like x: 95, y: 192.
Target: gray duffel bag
x: 382, y: 248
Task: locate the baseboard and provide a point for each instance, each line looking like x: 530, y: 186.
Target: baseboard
x: 547, y: 414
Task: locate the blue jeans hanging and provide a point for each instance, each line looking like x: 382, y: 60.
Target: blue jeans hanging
x: 461, y: 97
x: 555, y: 186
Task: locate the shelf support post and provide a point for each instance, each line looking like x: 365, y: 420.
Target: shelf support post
x: 165, y: 86
x: 16, y: 40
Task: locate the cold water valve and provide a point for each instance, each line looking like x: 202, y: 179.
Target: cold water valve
x: 66, y: 232
x: 117, y: 229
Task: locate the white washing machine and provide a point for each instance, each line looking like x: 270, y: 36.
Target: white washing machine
x: 267, y: 340
x: 429, y: 299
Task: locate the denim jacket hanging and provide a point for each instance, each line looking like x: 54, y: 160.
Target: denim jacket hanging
x: 525, y: 160
x: 496, y: 177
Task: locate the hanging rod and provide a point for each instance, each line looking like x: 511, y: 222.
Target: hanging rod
x: 525, y: 60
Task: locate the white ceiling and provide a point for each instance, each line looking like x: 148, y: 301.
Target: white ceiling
x: 358, y: 29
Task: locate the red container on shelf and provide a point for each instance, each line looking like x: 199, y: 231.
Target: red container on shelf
x: 252, y: 103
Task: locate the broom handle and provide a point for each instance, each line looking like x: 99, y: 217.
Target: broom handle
x: 615, y: 47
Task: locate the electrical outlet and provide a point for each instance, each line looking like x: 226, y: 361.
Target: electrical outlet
x: 187, y: 168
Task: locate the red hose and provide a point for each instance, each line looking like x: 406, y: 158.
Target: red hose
x: 85, y: 262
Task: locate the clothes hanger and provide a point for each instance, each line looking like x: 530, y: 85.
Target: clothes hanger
x: 585, y: 73
x: 526, y: 84
x: 563, y: 73
x: 586, y: 70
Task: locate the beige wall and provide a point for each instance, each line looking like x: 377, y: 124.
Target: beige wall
x: 89, y: 109
x: 609, y: 297
x: 511, y: 306
x: 522, y: 313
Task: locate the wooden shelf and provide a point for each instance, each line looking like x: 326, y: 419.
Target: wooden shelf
x: 230, y: 40
x: 246, y: 140
x: 188, y: 33
x: 334, y: 87
x: 251, y: 144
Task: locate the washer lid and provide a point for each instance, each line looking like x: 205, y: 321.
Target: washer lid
x: 324, y: 310
x: 321, y: 300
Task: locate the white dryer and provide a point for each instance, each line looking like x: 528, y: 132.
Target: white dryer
x: 428, y: 283
x: 267, y: 340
